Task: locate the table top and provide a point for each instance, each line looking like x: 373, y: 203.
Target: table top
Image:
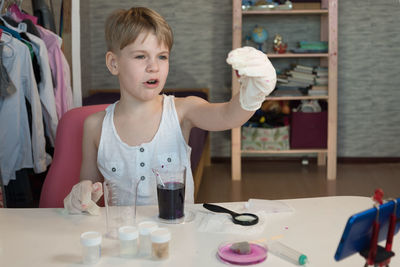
x: 51, y: 237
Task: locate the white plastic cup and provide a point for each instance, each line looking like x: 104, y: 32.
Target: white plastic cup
x: 145, y: 229
x: 160, y: 243
x: 128, y: 241
x: 91, y: 247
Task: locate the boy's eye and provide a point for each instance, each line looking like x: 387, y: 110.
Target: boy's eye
x: 163, y: 57
x: 140, y: 57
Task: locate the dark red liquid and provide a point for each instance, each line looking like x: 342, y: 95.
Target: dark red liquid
x: 171, y: 199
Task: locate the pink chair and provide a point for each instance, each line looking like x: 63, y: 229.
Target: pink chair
x: 65, y: 168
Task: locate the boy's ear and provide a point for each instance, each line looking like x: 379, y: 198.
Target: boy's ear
x: 111, y: 62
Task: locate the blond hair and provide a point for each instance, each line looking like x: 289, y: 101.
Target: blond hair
x: 124, y: 26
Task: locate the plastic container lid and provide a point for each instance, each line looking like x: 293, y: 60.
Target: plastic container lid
x: 127, y: 233
x: 146, y: 227
x: 161, y: 235
x: 89, y: 239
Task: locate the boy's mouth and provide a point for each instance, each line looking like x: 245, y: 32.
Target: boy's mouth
x: 152, y: 81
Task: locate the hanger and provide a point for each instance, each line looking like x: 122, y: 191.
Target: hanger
x: 19, y: 3
x: 2, y: 33
x: 18, y: 30
x: 6, y: 43
x: 1, y: 6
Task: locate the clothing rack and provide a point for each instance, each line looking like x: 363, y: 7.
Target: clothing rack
x: 19, y: 190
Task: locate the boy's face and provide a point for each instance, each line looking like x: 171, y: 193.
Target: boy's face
x: 142, y: 67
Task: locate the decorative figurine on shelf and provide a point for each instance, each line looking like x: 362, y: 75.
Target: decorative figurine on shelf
x: 259, y: 35
x: 287, y: 5
x: 279, y: 45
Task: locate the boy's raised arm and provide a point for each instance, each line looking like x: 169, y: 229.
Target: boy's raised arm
x: 257, y: 79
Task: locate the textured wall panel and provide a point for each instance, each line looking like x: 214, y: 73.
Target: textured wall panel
x: 369, y: 79
x: 369, y: 55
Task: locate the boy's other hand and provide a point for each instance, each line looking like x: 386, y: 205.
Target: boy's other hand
x: 257, y: 76
x: 83, y: 197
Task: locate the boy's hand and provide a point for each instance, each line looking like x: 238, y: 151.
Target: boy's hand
x: 257, y: 76
x: 83, y: 197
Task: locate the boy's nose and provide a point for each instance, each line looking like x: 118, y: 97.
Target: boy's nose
x: 152, y: 66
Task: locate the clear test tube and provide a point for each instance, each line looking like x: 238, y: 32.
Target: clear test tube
x: 287, y: 253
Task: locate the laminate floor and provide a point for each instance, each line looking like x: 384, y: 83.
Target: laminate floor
x: 291, y: 179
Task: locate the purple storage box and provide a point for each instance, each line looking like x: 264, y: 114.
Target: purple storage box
x: 309, y: 130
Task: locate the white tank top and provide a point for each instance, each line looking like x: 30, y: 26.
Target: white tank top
x: 126, y: 165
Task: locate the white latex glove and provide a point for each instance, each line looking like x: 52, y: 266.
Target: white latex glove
x: 257, y: 76
x: 83, y: 197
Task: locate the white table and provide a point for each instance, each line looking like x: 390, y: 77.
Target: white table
x: 50, y: 237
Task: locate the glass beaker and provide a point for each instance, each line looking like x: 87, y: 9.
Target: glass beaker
x: 171, y: 182
x: 120, y: 203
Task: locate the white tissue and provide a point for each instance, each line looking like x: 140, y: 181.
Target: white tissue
x: 222, y: 223
x: 267, y: 206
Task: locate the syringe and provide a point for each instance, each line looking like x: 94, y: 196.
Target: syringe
x: 287, y: 253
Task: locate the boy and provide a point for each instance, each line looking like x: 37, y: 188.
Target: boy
x: 146, y: 130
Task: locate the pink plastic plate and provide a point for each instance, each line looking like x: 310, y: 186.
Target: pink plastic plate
x: 258, y: 254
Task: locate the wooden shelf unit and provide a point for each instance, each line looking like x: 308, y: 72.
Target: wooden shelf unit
x: 297, y: 55
x: 286, y: 12
x: 305, y: 97
x: 329, y: 26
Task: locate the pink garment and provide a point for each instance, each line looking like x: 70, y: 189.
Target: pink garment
x: 59, y: 68
x: 18, y: 16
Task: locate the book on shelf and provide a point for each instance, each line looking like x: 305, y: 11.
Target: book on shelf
x: 282, y: 79
x: 295, y: 91
x: 318, y: 92
x: 304, y: 68
x: 306, y: 82
x: 321, y: 80
x: 309, y: 51
x: 313, y: 44
x: 302, y: 75
x: 291, y: 85
x: 321, y: 72
x: 319, y: 87
x: 319, y: 68
x: 311, y: 47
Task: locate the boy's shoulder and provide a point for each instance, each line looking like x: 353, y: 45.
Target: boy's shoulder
x: 95, y: 120
x: 188, y: 106
x: 189, y: 101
